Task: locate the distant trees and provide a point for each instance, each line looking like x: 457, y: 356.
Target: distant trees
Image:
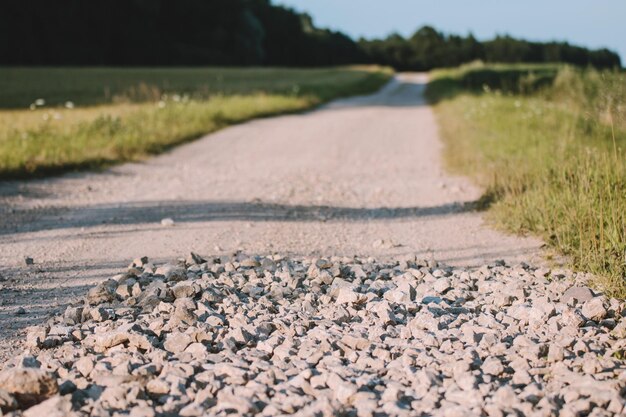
x: 428, y: 49
x: 166, y: 32
x: 236, y: 32
x: 291, y: 39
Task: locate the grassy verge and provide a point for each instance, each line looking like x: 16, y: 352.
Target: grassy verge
x: 58, y: 120
x: 548, y: 144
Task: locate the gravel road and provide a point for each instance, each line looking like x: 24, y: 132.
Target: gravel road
x: 360, y: 176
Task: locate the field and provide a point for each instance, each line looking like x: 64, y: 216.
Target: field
x: 548, y: 144
x: 59, y: 119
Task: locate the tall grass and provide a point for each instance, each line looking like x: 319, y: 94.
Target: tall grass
x: 548, y: 145
x: 135, y: 118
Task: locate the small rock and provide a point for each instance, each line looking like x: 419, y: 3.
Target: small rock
x: 100, y: 314
x: 594, y: 309
x: 167, y: 222
x: 249, y: 263
x: 142, y: 411
x: 158, y: 386
x: 492, y: 366
x: 102, y: 293
x: 555, y: 353
x: 177, y: 342
x: 108, y: 340
x: 442, y: 285
x: 184, y: 289
x: 29, y: 261
x: 73, y: 315
x: 195, y: 259
x: 342, y: 389
x: 139, y: 262
x: 572, y: 317
x: 28, y: 361
x: 348, y: 296
x: 521, y: 377
x: 191, y: 410
x: 84, y: 365
x: 36, y: 336
x: 171, y: 272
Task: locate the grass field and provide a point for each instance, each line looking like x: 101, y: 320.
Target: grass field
x: 58, y: 119
x: 548, y: 144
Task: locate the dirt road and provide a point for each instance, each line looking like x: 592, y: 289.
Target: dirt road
x: 360, y: 176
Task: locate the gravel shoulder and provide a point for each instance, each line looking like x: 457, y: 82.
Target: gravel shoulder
x: 360, y: 176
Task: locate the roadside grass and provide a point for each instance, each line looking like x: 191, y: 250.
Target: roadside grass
x: 130, y: 114
x: 548, y: 144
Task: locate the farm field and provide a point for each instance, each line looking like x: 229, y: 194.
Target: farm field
x: 59, y: 119
x: 548, y: 143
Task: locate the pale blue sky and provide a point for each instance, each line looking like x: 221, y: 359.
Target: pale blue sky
x: 591, y: 23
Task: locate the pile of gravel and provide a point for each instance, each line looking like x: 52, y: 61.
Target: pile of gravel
x: 324, y: 337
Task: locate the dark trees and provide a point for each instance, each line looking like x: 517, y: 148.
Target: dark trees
x: 236, y: 32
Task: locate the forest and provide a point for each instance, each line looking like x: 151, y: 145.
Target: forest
x: 238, y: 33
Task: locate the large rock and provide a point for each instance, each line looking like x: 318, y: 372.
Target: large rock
x: 56, y: 406
x: 29, y: 386
x: 581, y: 294
x: 7, y: 401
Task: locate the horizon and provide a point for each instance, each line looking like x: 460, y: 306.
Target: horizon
x: 575, y: 21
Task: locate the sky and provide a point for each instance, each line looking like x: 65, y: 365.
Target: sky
x: 590, y: 23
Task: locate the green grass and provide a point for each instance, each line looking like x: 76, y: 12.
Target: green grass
x: 548, y: 144
x: 119, y: 115
x: 91, y: 86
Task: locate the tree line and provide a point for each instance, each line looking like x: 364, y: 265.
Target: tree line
x: 428, y: 49
x: 237, y: 33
